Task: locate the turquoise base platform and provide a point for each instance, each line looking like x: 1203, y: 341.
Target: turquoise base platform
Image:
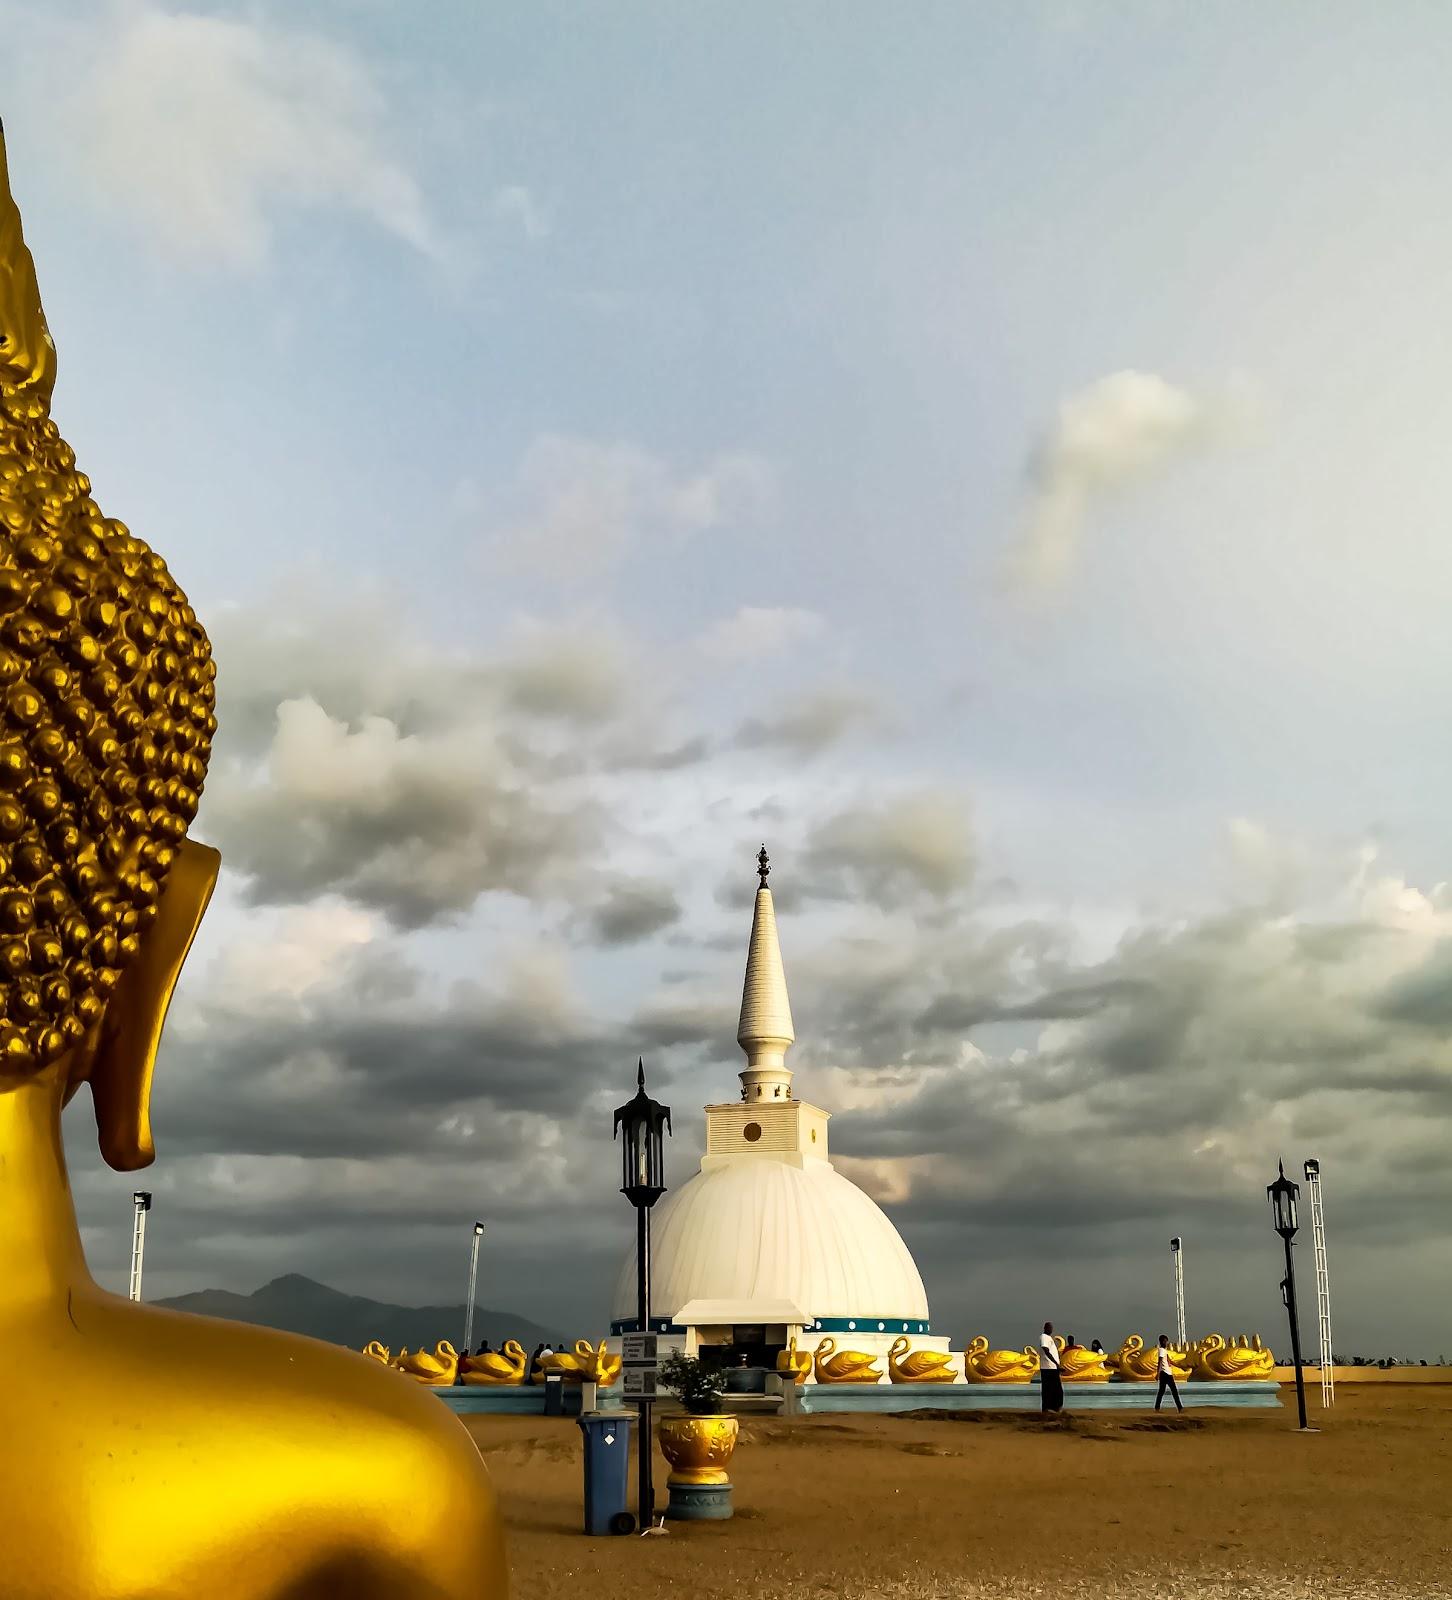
x: 523, y: 1399
x: 820, y: 1398
x: 817, y: 1398
x: 699, y: 1502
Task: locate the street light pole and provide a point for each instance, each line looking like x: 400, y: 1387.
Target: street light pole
x: 1282, y: 1196
x: 141, y: 1200
x: 645, y: 1123
x: 473, y: 1282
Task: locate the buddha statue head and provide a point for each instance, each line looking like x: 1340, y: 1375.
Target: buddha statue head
x: 106, y: 720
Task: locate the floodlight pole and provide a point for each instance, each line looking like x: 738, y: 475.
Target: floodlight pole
x: 141, y: 1200
x: 1178, y: 1253
x: 473, y: 1284
x: 1323, y: 1285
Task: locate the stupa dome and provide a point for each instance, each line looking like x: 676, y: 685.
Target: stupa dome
x: 769, y: 1239
x: 764, y: 1230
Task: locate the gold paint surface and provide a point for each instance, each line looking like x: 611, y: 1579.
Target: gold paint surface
x: 843, y: 1366
x: 1137, y: 1362
x: 698, y: 1448
x: 798, y: 1363
x: 436, y: 1369
x: 1215, y: 1358
x: 587, y: 1363
x: 1081, y: 1364
x: 982, y: 1365
x: 506, y: 1366
x: 904, y: 1365
x: 148, y: 1453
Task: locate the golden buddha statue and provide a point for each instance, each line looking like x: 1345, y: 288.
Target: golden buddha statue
x: 166, y: 1455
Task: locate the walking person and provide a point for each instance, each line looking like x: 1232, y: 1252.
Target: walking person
x: 1166, y: 1374
x: 1051, y: 1375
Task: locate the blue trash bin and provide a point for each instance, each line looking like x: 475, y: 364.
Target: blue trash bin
x: 607, y: 1471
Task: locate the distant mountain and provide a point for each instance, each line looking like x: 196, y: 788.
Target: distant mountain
x: 298, y: 1305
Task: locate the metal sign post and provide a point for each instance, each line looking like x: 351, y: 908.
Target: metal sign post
x: 473, y: 1284
x: 141, y: 1200
x: 640, y: 1359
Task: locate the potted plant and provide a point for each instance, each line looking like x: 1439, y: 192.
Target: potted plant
x: 699, y: 1444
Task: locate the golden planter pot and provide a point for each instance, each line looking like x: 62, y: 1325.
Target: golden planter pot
x: 698, y: 1448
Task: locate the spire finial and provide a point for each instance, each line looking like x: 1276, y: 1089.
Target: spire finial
x: 765, y: 1030
x: 640, y: 1072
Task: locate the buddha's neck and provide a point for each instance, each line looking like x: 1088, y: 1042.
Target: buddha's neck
x: 40, y: 1246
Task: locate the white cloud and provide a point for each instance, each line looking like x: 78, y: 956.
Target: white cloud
x: 581, y: 504
x: 197, y: 128
x: 1115, y: 433
x: 812, y: 722
x: 758, y: 631
x: 515, y: 203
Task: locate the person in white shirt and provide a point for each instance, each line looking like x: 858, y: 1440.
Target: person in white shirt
x: 1166, y: 1373
x: 1051, y: 1379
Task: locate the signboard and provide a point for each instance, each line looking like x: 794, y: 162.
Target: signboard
x: 640, y: 1383
x: 640, y: 1349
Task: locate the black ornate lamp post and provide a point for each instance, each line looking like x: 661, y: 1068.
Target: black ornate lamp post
x: 1282, y: 1196
x: 646, y: 1122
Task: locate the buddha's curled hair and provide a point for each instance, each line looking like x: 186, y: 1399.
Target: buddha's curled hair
x: 106, y: 711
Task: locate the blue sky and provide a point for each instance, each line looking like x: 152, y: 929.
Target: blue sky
x: 991, y: 451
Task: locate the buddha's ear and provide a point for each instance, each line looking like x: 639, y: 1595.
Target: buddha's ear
x: 131, y: 1029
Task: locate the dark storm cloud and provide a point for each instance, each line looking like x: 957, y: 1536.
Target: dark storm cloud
x: 413, y: 827
x: 1157, y: 1098
x: 1423, y: 997
x: 893, y: 851
x: 631, y: 910
x: 358, y: 760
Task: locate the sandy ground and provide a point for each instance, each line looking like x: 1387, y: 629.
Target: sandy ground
x: 1222, y: 1505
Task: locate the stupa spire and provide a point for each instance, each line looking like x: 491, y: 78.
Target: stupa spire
x: 765, y: 1031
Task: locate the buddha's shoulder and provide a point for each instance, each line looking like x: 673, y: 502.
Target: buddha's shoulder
x: 329, y: 1473
x: 273, y: 1392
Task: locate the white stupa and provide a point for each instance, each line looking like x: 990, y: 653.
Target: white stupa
x: 768, y: 1241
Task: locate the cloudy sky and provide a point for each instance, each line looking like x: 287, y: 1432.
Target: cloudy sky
x: 994, y: 453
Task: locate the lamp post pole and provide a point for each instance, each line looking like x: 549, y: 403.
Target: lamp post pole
x: 473, y: 1284
x: 141, y: 1200
x: 645, y: 1123
x: 1282, y: 1196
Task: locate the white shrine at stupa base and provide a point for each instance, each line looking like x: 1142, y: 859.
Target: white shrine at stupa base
x: 768, y: 1242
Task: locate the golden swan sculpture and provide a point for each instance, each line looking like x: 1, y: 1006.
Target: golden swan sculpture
x: 794, y: 1362
x: 905, y: 1365
x: 1246, y: 1359
x: 982, y: 1365
x: 1081, y: 1364
x: 1134, y: 1362
x: 375, y: 1351
x: 584, y: 1364
x: 507, y: 1365
x: 600, y: 1367
x: 843, y: 1366
x: 435, y: 1369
